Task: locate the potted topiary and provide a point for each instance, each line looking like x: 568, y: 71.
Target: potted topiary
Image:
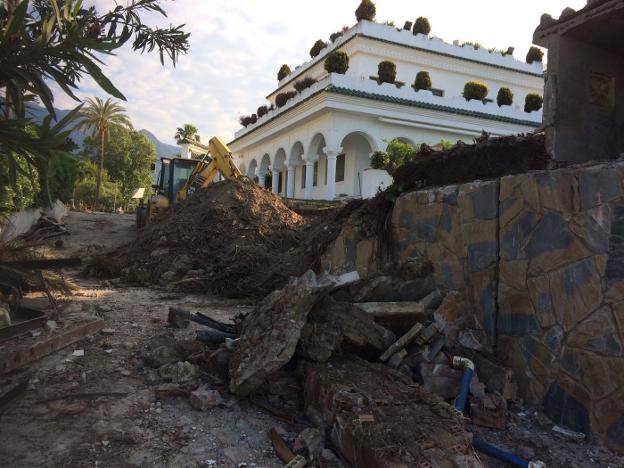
x: 423, y: 81
x: 379, y: 160
x: 283, y: 72
x: 475, y: 90
x: 535, y: 54
x: 338, y: 34
x: 386, y: 72
x: 245, y: 120
x: 422, y: 26
x: 533, y: 102
x: 317, y: 47
x: 262, y: 111
x: 504, y: 97
x: 337, y: 62
x: 304, y: 83
x: 366, y: 11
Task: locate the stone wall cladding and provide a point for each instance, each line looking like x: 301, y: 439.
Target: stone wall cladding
x: 456, y: 228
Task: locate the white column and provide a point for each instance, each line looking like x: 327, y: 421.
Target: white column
x: 332, y: 154
x: 275, y: 181
x: 309, y: 179
x: 261, y: 178
x: 290, y: 187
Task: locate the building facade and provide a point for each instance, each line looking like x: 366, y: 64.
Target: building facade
x: 318, y: 145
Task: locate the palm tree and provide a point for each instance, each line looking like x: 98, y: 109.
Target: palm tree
x: 188, y: 132
x: 101, y: 116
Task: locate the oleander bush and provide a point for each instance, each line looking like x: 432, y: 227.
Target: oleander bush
x: 337, y: 62
x: 304, y: 83
x: 262, y: 111
x: 533, y: 102
x: 504, y: 97
x: 534, y: 54
x: 283, y: 72
x: 317, y: 47
x: 422, y: 26
x: 386, y: 71
x: 423, y: 80
x: 366, y: 11
x: 475, y: 90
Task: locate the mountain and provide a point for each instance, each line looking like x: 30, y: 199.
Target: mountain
x: 37, y: 113
x: 162, y: 149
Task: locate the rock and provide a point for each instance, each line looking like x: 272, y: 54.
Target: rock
x: 472, y: 339
x: 450, y: 314
x: 270, y: 334
x: 159, y: 252
x: 180, y: 372
x: 5, y: 316
x: 441, y: 380
x: 204, y: 399
x: 103, y: 308
x: 525, y: 452
x: 328, y: 459
x: 333, y: 326
x: 161, y: 350
x: 107, y: 331
x: 567, y: 434
x: 51, y: 325
x: 167, y: 277
x: 489, y: 411
x: 310, y: 442
x: 497, y: 378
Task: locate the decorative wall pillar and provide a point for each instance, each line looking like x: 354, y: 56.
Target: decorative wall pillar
x: 275, y: 181
x: 290, y: 187
x: 261, y: 178
x: 309, y: 179
x: 332, y: 155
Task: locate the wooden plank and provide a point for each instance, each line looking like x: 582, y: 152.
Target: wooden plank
x: 383, y: 309
x: 23, y: 355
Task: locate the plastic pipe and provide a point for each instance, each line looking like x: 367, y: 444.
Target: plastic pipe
x: 468, y: 366
x: 500, y: 454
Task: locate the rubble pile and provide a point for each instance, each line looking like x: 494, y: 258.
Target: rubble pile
x: 232, y: 239
x: 374, y: 359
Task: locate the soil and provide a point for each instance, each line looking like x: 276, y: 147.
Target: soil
x: 236, y: 240
x: 487, y: 158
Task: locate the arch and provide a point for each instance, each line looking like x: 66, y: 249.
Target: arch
x: 357, y: 148
x: 242, y: 168
x: 253, y: 166
x: 368, y: 137
x: 265, y: 163
x: 317, y: 144
x: 279, y: 160
x: 296, y: 153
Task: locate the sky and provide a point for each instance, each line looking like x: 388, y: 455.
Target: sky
x: 237, y: 47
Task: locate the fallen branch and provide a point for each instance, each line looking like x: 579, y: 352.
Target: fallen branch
x: 200, y: 319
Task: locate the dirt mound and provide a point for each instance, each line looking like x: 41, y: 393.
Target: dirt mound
x: 232, y: 239
x: 487, y: 158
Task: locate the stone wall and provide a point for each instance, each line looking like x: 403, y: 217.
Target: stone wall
x: 539, y: 258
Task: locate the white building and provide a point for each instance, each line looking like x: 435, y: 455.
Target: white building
x: 320, y: 142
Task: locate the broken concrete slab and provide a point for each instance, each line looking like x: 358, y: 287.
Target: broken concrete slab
x: 180, y: 372
x: 205, y: 398
x: 412, y: 309
x: 377, y: 417
x: 270, y: 334
x: 333, y: 326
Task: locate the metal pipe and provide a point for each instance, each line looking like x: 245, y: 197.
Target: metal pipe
x: 468, y: 366
x: 500, y: 454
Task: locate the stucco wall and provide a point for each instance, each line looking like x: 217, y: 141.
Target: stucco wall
x: 539, y: 258
x: 21, y: 222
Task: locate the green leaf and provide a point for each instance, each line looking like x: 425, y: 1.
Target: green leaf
x: 100, y: 79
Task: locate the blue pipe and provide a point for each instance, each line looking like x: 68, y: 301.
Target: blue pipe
x: 468, y: 366
x: 500, y: 454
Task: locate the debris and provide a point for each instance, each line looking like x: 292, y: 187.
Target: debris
x: 281, y: 449
x: 497, y: 378
x: 402, y: 342
x: 5, y: 316
x: 170, y: 390
x: 310, y: 442
x: 51, y: 325
x: 472, y: 339
x: 180, y: 372
x: 205, y: 398
x: 489, y: 411
x: 404, y: 309
x: 83, y: 395
x: 270, y: 334
x: 78, y: 353
x: 441, y: 380
x: 107, y: 331
x: 180, y: 316
x: 568, y: 434
x: 396, y: 360
x: 213, y: 337
x: 297, y: 462
x: 11, y: 391
x: 161, y: 350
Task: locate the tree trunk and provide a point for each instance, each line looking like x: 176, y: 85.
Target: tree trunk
x: 98, y: 182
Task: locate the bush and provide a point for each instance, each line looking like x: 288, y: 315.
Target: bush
x: 317, y: 47
x: 399, y: 153
x: 262, y: 111
x: 379, y: 160
x: 386, y: 71
x: 475, y: 45
x: 337, y: 62
x: 282, y: 98
x: 338, y: 34
x: 254, y: 118
x: 245, y: 120
x: 535, y: 54
x: 475, y: 90
x: 283, y: 72
x: 305, y: 83
x: 423, y: 80
x: 366, y: 11
x: 422, y: 26
x: 504, y: 97
x: 533, y: 102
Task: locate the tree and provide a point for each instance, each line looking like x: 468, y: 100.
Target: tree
x: 366, y: 11
x: 187, y: 132
x: 61, y: 42
x: 101, y: 116
x: 85, y: 187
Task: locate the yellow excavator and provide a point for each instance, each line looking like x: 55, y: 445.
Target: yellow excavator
x: 179, y: 178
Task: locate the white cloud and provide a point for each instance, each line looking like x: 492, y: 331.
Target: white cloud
x: 237, y: 47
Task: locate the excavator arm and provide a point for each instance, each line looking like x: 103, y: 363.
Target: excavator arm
x: 219, y: 161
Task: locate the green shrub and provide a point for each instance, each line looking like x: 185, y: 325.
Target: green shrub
x: 386, y: 71
x: 366, y: 11
x: 475, y: 45
x: 504, y: 97
x: 533, y: 102
x: 304, y: 83
x: 337, y: 62
x: 399, y: 153
x: 317, y: 47
x: 282, y: 98
x: 262, y: 111
x: 475, y: 90
x: 535, y: 54
x: 423, y: 80
x: 379, y: 160
x: 422, y: 26
x: 338, y: 34
x: 283, y: 72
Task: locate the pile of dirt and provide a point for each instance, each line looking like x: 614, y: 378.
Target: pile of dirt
x: 232, y: 239
x: 487, y: 158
